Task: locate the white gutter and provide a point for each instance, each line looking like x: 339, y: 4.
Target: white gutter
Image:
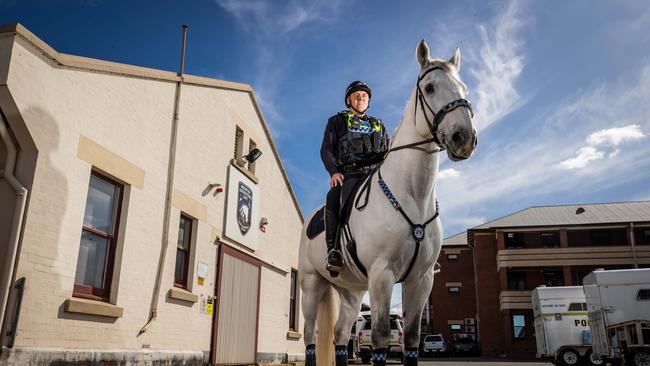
x: 16, y: 225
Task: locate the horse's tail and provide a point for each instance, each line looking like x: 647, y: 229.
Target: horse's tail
x: 328, y: 310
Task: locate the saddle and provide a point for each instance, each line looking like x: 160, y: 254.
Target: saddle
x: 316, y: 226
x: 350, y: 188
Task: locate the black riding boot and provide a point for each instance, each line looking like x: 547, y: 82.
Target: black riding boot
x: 341, y: 353
x: 310, y: 355
x: 334, y: 257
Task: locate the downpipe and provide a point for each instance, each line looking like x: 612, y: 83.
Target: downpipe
x: 16, y: 225
x: 153, y: 314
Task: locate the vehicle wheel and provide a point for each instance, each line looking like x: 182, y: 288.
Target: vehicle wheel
x: 401, y: 358
x: 365, y: 360
x: 640, y: 358
x: 591, y: 360
x: 569, y: 357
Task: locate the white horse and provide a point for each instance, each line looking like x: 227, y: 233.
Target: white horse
x: 437, y: 118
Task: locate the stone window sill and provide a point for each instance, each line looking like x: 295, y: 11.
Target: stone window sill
x: 93, y: 307
x: 293, y: 335
x: 180, y: 294
x: 245, y: 171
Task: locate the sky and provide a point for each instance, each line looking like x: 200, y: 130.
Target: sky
x: 560, y: 89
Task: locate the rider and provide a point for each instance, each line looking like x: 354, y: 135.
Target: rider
x: 353, y: 144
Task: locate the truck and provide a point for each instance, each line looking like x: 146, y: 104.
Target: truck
x: 561, y: 328
x: 618, y: 306
x: 396, y: 344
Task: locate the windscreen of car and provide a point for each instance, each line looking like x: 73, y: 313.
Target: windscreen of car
x: 367, y: 326
x: 393, y: 324
x: 433, y: 339
x: 464, y: 340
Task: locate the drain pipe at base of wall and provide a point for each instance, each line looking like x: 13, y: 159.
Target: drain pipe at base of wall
x: 16, y: 225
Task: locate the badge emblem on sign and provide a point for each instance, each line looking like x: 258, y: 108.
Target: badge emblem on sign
x: 244, y: 207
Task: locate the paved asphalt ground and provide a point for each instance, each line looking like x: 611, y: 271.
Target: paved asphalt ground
x: 465, y: 362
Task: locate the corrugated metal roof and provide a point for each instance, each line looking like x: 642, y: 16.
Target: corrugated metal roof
x: 599, y: 213
x: 458, y: 239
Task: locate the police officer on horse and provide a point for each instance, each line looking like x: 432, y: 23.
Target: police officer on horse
x: 353, y: 144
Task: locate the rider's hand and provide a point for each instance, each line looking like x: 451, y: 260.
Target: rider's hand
x: 336, y: 180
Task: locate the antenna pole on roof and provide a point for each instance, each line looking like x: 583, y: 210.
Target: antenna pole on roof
x: 180, y: 73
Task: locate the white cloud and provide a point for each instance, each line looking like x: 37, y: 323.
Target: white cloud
x: 601, y: 141
x: 273, y: 26
x: 616, y: 136
x: 585, y: 155
x: 498, y: 65
x: 448, y: 173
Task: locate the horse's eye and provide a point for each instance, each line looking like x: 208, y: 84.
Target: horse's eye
x: 429, y: 88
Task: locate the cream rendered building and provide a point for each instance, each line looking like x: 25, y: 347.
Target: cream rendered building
x: 129, y: 234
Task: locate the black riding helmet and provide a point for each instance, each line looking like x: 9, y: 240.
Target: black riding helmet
x: 356, y: 86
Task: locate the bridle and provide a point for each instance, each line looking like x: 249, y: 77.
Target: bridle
x: 437, y: 116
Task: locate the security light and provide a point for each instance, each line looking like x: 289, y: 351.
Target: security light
x: 253, y: 155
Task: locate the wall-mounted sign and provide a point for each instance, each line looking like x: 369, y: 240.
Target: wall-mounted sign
x: 242, y: 209
x: 208, y: 306
x: 202, y: 270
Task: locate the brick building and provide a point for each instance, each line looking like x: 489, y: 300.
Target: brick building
x: 547, y: 245
x: 453, y: 293
x: 132, y: 228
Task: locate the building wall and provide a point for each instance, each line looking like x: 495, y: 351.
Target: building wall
x: 453, y: 307
x: 66, y: 110
x: 487, y: 295
x: 494, y: 264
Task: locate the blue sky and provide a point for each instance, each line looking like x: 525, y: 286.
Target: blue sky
x: 561, y: 89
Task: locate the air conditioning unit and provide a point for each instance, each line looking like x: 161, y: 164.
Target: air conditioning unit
x: 470, y: 321
x: 470, y: 329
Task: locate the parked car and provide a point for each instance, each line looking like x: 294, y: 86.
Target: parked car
x: 465, y: 345
x: 434, y: 345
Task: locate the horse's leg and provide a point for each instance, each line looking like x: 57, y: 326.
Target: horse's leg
x: 416, y: 291
x: 350, y: 306
x: 380, y: 289
x: 313, y: 286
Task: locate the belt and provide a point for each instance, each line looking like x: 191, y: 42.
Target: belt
x: 353, y: 168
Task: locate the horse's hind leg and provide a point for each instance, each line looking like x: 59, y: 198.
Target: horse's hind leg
x: 416, y: 291
x: 313, y: 286
x: 350, y: 305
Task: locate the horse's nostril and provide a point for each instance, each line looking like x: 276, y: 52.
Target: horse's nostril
x: 458, y: 137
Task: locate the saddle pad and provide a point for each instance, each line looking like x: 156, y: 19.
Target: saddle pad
x: 316, y: 224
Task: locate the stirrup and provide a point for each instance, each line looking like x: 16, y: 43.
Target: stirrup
x: 334, y: 269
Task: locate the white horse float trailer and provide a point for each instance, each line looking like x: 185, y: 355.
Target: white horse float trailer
x: 618, y: 303
x: 561, y: 329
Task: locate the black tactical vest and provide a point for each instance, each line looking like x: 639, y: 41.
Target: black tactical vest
x: 365, y: 142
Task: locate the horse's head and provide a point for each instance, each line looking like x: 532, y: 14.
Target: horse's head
x: 441, y: 106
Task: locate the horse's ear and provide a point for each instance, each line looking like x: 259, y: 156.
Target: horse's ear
x: 422, y: 53
x: 455, y: 59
